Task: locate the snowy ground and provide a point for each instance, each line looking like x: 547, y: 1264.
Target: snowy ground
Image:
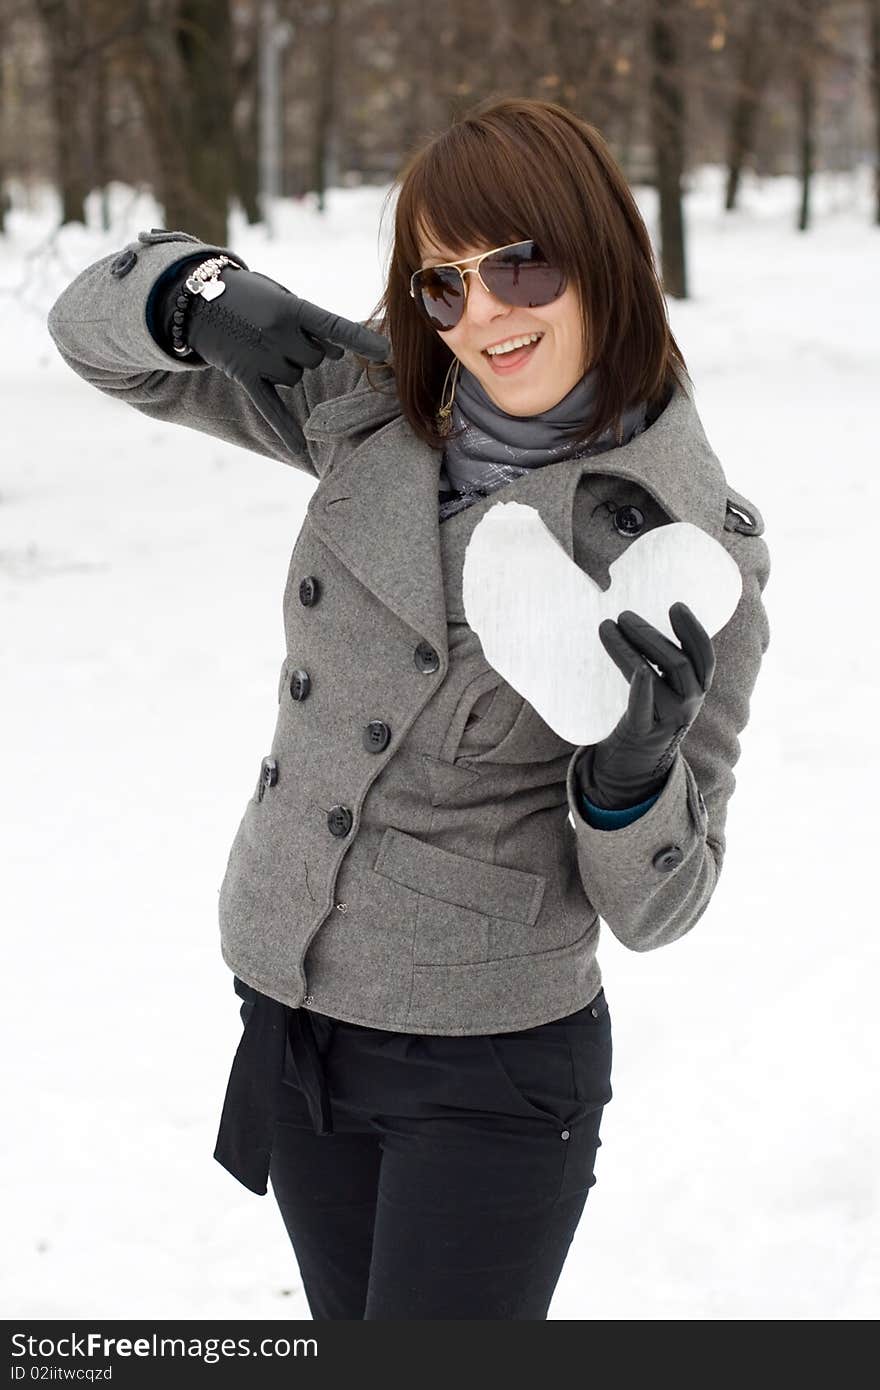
x: 141, y: 573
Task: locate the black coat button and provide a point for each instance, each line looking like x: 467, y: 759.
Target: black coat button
x: 300, y: 684
x: 376, y: 736
x: 309, y: 591
x: 268, y: 775
x: 426, y: 658
x: 629, y: 520
x: 668, y: 858
x: 339, y: 820
x: 123, y: 263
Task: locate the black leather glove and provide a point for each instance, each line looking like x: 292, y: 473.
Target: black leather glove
x: 261, y: 335
x: 632, y: 763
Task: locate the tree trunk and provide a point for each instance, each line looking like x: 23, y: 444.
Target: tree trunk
x: 806, y: 143
x: 63, y: 25
x: 874, y: 40
x: 667, y: 110
x: 753, y: 69
x: 4, y: 196
x: 806, y: 107
x: 325, y: 106
x: 184, y: 84
x: 246, y: 134
x: 100, y: 144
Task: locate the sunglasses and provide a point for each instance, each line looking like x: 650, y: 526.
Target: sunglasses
x: 517, y: 274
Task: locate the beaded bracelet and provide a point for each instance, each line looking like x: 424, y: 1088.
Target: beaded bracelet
x: 205, y: 282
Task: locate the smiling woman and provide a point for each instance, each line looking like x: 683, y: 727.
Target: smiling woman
x: 411, y: 903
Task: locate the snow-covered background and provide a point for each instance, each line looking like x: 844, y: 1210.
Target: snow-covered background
x: 141, y: 574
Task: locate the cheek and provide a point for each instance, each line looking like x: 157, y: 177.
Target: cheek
x: 565, y: 318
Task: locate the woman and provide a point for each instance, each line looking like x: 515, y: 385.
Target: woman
x: 412, y: 900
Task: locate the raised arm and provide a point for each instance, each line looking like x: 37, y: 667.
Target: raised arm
x: 110, y: 326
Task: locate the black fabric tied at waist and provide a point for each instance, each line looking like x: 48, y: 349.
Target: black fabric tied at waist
x: 276, y: 1040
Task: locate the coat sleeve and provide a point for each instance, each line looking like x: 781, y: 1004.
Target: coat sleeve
x: 99, y: 325
x: 653, y: 879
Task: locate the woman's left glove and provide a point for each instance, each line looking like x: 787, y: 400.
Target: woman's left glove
x: 632, y: 762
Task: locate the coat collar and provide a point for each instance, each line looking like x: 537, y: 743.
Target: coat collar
x: 377, y: 509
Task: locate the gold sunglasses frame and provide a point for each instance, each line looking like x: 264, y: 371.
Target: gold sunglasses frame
x: 472, y: 270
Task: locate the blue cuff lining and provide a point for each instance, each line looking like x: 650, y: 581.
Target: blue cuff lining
x: 601, y: 819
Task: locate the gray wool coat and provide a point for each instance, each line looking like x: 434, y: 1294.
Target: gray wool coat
x: 413, y: 855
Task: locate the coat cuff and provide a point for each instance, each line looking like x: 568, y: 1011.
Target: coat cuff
x: 636, y: 876
x: 101, y: 317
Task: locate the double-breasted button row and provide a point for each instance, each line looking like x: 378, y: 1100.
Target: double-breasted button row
x: 376, y: 734
x: 339, y: 818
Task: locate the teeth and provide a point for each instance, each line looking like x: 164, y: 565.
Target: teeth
x: 512, y: 344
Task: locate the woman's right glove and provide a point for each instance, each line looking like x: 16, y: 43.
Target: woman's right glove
x: 260, y: 335
x: 633, y: 762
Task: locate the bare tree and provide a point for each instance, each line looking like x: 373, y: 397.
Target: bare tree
x: 806, y: 63
x: 246, y: 109
x: 4, y: 42
x: 667, y: 123
x: 165, y: 93
x: 760, y: 43
x: 64, y: 29
x: 326, y: 98
x: 181, y: 71
x: 874, y: 43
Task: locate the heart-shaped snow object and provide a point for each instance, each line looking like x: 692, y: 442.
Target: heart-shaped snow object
x: 537, y: 614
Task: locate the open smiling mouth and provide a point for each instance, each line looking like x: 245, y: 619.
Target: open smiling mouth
x: 506, y: 362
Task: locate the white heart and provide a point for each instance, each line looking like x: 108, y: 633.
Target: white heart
x: 537, y: 614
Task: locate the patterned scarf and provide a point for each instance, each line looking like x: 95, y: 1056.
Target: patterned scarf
x: 496, y: 447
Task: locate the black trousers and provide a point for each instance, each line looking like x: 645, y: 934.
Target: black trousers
x: 419, y: 1176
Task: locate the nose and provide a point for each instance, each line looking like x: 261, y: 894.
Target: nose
x: 481, y: 305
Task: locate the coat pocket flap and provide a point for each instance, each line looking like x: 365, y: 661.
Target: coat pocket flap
x: 490, y: 889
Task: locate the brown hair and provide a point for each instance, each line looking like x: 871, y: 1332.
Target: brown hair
x: 508, y: 170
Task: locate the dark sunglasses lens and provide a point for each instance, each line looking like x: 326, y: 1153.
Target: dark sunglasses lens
x: 441, y: 294
x: 521, y: 276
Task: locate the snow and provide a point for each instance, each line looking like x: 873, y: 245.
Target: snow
x: 141, y: 574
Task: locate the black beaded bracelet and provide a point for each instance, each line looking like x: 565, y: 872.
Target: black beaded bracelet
x: 206, y: 283
x: 178, y: 319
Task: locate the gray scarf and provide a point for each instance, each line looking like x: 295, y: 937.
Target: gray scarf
x: 496, y: 447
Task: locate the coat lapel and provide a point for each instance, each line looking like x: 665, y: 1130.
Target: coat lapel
x: 377, y: 508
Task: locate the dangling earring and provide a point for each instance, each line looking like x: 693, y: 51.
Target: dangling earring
x: 444, y: 414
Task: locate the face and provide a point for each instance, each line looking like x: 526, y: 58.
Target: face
x: 550, y: 370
